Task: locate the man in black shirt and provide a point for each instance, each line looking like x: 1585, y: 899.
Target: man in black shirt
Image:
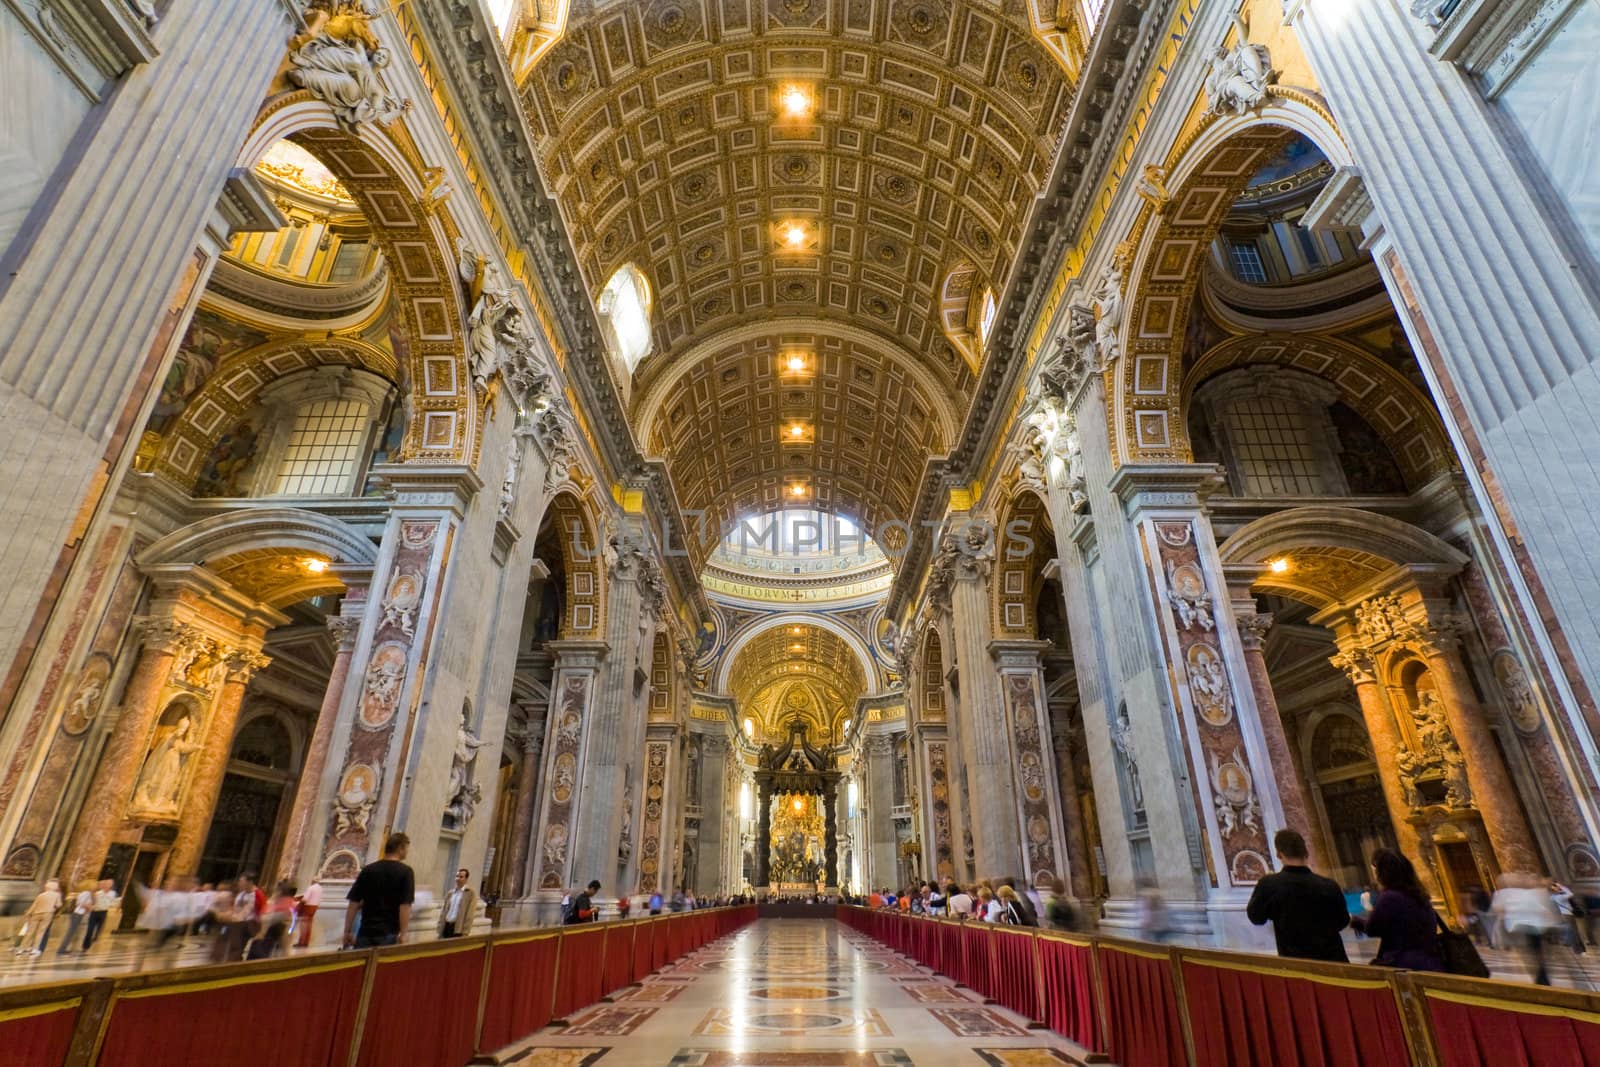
x: 381, y: 898
x: 583, y: 909
x: 1306, y: 910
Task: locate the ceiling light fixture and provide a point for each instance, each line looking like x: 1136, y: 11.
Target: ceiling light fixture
x: 797, y: 430
x: 797, y: 490
x: 797, y: 363
x: 794, y: 234
x: 316, y: 566
x: 1278, y: 566
x: 795, y: 100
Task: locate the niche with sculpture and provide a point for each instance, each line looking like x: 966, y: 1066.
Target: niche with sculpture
x: 1432, y: 769
x: 158, y: 791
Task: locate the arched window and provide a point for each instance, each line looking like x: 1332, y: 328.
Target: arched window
x: 988, y: 308
x: 625, y: 309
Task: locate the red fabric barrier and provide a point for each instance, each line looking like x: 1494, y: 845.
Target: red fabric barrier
x: 1262, y: 1016
x: 1476, y: 1032
x: 979, y: 964
x: 581, y: 976
x: 1141, y: 1008
x: 1016, y: 974
x: 950, y: 951
x: 241, y: 1017
x: 661, y: 945
x: 1069, y: 992
x: 619, y: 956
x: 643, y: 947
x: 522, y: 984
x: 37, y: 1035
x: 423, y: 1008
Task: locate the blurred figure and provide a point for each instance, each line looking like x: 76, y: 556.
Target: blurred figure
x: 1568, y: 906
x: 105, y: 898
x: 1058, y: 911
x: 960, y: 901
x: 34, y: 933
x: 1527, y: 913
x: 276, y: 921
x: 1155, y: 922
x: 164, y: 916
x: 306, y: 911
x: 81, y: 907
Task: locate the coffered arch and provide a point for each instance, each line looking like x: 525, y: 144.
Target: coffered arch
x: 725, y: 421
x: 795, y: 669
x: 926, y: 130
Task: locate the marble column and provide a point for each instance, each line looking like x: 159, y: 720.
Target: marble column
x: 882, y: 866
x: 830, y: 840
x: 162, y: 637
x: 1253, y: 629
x: 1493, y: 793
x: 1079, y: 861
x: 1384, y: 732
x: 70, y: 370
x: 985, y: 736
x: 210, y: 760
x: 344, y: 629
x: 1038, y: 803
x: 763, y: 834
x: 713, y: 787
x: 533, y: 729
x: 632, y: 598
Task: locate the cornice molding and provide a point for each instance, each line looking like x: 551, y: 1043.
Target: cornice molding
x: 476, y: 80
x: 1130, y: 33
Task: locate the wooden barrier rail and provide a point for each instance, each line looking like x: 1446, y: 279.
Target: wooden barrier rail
x: 1147, y: 1005
x: 436, y: 1002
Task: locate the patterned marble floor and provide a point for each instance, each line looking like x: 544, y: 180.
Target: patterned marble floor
x: 795, y: 993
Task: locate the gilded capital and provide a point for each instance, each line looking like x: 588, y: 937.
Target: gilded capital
x: 1253, y: 629
x: 1357, y: 665
x: 344, y: 630
x: 243, y: 663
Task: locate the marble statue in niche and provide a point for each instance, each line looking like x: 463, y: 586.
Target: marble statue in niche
x: 161, y: 779
x: 1122, y: 741
x: 465, y: 794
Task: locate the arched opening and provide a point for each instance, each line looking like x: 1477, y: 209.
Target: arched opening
x: 624, y: 306
x: 263, y: 768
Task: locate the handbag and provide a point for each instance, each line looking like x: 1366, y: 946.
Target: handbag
x: 1460, y: 955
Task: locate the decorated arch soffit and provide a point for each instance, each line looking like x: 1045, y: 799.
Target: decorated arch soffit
x: 1330, y: 553
x: 382, y: 170
x: 1381, y: 395
x: 1026, y: 542
x: 796, y: 669
x: 229, y: 398
x: 932, y: 126
x: 578, y: 532
x: 1207, y: 168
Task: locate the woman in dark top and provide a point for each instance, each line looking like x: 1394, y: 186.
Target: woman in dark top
x: 1402, y: 919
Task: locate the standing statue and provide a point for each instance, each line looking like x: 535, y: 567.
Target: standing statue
x: 338, y: 58
x: 161, y: 780
x: 1108, y: 312
x: 625, y: 839
x: 1122, y: 741
x: 489, y: 297
x: 464, y: 792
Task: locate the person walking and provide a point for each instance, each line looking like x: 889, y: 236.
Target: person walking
x: 582, y: 909
x: 306, y: 912
x: 381, y: 898
x: 1529, y: 916
x: 1058, y: 911
x: 81, y: 907
x: 34, y: 933
x: 105, y: 898
x: 1155, y: 922
x: 1306, y: 910
x: 1402, y: 918
x: 460, y: 906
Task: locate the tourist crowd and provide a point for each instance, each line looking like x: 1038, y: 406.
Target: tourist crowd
x: 1308, y: 913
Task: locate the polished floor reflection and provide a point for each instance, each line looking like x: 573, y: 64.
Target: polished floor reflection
x: 795, y: 993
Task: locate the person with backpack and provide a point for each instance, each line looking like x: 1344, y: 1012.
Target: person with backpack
x: 582, y: 909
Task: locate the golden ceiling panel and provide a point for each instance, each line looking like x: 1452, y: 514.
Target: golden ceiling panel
x: 1322, y: 575
x: 792, y: 653
x: 931, y: 126
x: 275, y: 576
x: 726, y: 428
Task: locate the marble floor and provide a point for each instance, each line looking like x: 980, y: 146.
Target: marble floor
x: 794, y: 993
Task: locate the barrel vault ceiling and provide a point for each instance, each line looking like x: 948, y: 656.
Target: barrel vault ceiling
x: 663, y: 134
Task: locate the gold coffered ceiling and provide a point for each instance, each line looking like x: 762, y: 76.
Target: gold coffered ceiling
x: 662, y: 137
x: 780, y: 658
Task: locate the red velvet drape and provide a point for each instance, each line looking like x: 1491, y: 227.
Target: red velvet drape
x: 423, y: 1008
x: 582, y: 973
x: 1470, y: 1033
x: 979, y: 964
x: 305, y: 1016
x: 1263, y: 1017
x: 643, y: 947
x: 661, y: 946
x: 1069, y: 992
x: 1016, y: 972
x: 522, y: 982
x: 619, y: 956
x: 1141, y: 1008
x: 37, y: 1035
